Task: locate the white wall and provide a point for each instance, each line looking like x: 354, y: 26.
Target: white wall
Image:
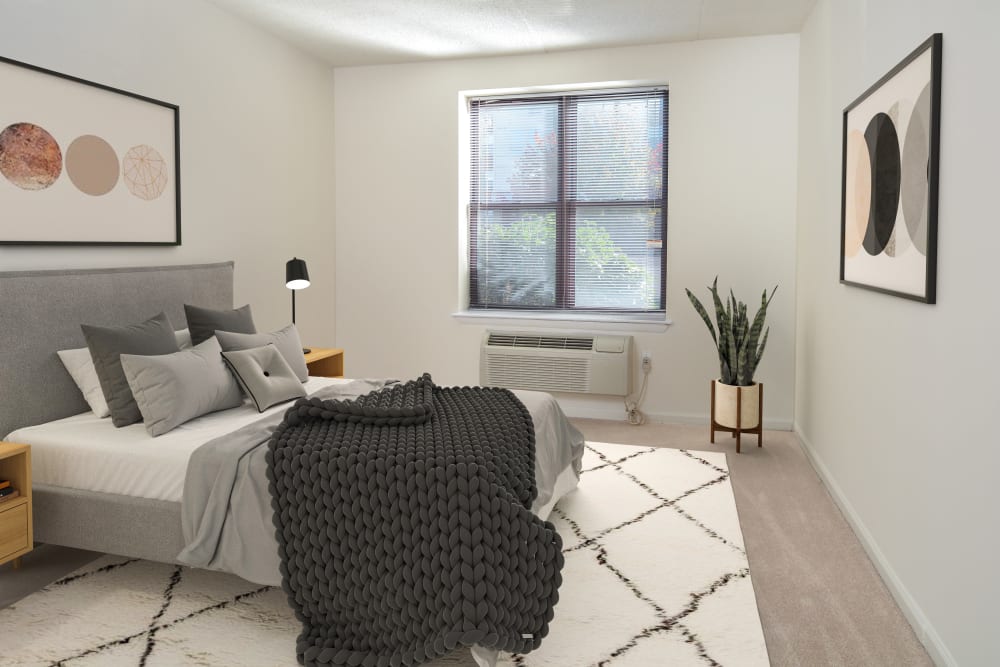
x: 733, y: 143
x: 256, y: 139
x: 896, y: 400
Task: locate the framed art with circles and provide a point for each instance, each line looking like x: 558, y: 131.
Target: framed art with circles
x: 889, y: 212
x: 82, y: 163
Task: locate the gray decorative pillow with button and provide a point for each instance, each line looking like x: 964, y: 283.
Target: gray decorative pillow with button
x: 264, y: 375
x: 286, y: 340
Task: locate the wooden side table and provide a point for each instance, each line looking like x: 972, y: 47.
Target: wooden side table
x: 325, y: 362
x: 16, y: 533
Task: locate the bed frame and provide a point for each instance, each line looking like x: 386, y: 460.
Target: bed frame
x: 41, y: 312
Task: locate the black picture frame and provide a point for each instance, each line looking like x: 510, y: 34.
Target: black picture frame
x: 889, y: 180
x: 52, y: 205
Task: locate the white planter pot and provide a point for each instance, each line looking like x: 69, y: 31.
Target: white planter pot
x: 725, y: 405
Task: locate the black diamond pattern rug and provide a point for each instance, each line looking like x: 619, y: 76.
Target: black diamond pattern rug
x: 655, y: 574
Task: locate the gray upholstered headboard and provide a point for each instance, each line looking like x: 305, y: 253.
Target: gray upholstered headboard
x: 41, y: 312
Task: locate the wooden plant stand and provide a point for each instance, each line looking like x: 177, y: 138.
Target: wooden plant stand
x: 739, y: 430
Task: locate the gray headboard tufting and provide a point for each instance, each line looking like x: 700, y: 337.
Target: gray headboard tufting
x: 41, y: 312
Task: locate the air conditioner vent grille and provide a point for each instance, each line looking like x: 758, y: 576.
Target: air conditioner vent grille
x: 539, y: 373
x: 559, y: 362
x: 541, y: 342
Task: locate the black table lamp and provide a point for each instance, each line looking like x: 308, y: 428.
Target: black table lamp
x: 296, y: 278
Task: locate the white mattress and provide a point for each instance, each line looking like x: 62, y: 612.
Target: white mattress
x: 84, y: 452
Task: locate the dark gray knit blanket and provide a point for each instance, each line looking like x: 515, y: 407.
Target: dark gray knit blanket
x: 404, y: 525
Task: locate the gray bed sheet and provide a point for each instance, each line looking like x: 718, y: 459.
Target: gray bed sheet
x: 226, y: 515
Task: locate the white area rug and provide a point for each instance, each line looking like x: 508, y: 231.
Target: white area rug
x: 655, y: 574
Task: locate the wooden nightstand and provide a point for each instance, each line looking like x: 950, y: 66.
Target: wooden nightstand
x: 16, y: 532
x: 325, y: 362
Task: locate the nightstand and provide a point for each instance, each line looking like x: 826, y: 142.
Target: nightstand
x: 325, y: 362
x: 16, y: 533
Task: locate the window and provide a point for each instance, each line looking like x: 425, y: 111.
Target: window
x: 568, y: 202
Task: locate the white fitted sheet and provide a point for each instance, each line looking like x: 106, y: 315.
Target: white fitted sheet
x: 84, y: 452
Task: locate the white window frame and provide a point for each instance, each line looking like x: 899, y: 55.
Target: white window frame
x: 622, y: 322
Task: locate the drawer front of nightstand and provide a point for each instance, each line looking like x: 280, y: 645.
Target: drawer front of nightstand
x: 13, y: 529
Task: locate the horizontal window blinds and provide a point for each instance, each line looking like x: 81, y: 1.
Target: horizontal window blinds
x: 567, y: 206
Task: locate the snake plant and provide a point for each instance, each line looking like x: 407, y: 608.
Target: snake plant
x: 738, y: 342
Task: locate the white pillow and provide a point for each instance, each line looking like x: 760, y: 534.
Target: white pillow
x: 183, y: 339
x: 80, y: 366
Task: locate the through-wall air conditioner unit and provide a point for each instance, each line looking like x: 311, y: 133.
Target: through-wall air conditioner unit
x: 556, y: 362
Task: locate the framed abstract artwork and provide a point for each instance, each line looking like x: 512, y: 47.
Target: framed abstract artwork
x: 85, y: 164
x: 889, y: 212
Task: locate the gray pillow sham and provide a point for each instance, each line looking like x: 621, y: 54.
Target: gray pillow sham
x: 107, y: 344
x: 204, y: 322
x: 286, y: 340
x: 171, y: 389
x: 80, y: 366
x: 264, y: 375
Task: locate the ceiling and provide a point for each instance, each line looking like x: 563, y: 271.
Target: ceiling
x: 368, y: 32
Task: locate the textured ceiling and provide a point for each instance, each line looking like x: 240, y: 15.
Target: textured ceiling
x: 366, y: 32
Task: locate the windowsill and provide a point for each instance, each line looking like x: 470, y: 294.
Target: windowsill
x: 623, y: 322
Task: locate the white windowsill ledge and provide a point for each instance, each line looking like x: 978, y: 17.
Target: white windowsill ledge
x: 595, y: 322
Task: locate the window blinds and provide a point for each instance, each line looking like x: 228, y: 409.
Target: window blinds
x: 567, y: 207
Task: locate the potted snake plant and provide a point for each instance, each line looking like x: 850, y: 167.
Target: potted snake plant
x: 740, y: 345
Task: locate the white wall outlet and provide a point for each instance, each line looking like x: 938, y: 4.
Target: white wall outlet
x: 647, y: 362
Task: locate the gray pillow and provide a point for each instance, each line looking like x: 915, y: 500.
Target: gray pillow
x: 286, y: 340
x: 80, y: 366
x: 171, y: 389
x: 107, y: 344
x: 204, y: 322
x: 264, y: 374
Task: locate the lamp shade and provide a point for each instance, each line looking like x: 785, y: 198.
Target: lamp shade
x: 296, y: 274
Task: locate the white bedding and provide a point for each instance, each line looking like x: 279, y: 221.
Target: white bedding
x: 84, y: 452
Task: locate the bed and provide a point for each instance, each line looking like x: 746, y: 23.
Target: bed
x: 117, y: 490
x: 41, y: 313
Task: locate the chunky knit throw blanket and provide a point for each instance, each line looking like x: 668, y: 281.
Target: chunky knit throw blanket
x: 404, y: 525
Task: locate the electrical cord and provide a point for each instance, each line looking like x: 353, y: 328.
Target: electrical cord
x: 633, y: 414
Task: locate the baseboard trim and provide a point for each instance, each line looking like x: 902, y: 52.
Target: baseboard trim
x: 922, y: 627
x: 616, y: 412
x: 702, y: 419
